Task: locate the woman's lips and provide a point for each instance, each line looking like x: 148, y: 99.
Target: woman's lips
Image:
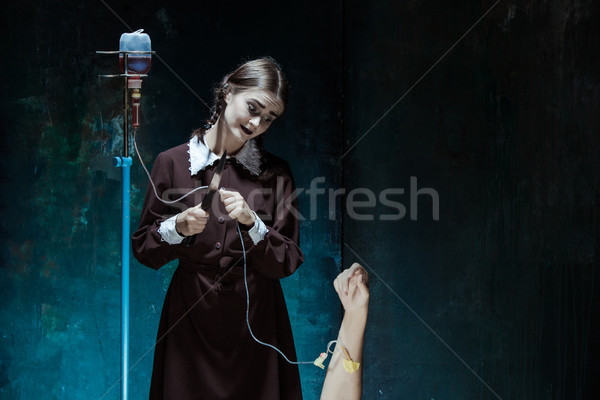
x: 246, y: 130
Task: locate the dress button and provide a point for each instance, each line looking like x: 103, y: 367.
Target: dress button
x: 218, y: 245
x: 221, y: 219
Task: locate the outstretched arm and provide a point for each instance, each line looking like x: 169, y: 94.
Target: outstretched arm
x: 353, y: 291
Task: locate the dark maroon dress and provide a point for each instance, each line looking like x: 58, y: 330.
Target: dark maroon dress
x: 204, y: 349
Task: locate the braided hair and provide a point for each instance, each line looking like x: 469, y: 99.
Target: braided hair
x: 262, y: 73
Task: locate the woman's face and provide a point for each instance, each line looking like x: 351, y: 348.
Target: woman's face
x: 249, y: 114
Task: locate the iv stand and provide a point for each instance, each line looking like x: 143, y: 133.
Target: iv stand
x: 124, y: 162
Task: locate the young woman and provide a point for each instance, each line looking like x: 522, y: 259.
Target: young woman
x: 204, y: 349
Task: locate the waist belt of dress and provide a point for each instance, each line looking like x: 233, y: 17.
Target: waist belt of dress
x: 225, y: 263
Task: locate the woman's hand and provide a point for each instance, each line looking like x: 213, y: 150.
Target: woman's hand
x: 352, y: 287
x: 237, y: 208
x: 191, y: 221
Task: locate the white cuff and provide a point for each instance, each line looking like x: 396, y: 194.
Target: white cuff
x: 258, y: 231
x: 168, y: 233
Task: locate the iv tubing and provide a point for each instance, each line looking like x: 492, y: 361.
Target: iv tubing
x: 243, y: 252
x: 248, y: 307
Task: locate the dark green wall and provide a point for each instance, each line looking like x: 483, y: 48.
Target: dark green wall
x: 503, y: 129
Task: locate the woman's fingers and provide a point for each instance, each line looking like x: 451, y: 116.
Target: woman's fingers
x: 231, y: 200
x: 197, y: 215
x: 229, y: 195
x: 336, y: 285
x: 232, y: 205
x: 191, y: 221
x: 342, y: 281
x: 347, y: 280
x: 354, y: 267
x: 357, y: 269
x: 351, y: 285
x: 362, y: 286
x: 198, y: 212
x: 236, y: 207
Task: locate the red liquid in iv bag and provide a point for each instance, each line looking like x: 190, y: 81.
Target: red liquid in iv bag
x: 136, y: 64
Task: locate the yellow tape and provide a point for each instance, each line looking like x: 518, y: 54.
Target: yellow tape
x: 351, y: 366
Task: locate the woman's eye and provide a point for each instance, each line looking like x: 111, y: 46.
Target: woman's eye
x: 251, y: 108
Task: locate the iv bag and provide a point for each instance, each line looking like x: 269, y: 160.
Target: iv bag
x: 136, y: 63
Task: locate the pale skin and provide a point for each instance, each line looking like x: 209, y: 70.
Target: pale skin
x: 247, y: 114
x: 353, y: 291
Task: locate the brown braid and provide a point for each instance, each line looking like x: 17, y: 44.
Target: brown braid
x: 216, y: 110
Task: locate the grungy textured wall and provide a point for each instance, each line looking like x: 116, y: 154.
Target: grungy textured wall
x: 504, y: 129
x: 495, y: 296
x: 61, y: 126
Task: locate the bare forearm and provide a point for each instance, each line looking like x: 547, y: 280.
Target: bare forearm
x: 340, y: 384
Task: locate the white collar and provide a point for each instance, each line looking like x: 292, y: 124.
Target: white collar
x: 201, y: 156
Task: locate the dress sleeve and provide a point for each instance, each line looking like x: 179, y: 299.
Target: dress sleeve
x: 148, y: 246
x: 278, y: 254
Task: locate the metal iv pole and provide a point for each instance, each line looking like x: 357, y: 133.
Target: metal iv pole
x: 124, y: 162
